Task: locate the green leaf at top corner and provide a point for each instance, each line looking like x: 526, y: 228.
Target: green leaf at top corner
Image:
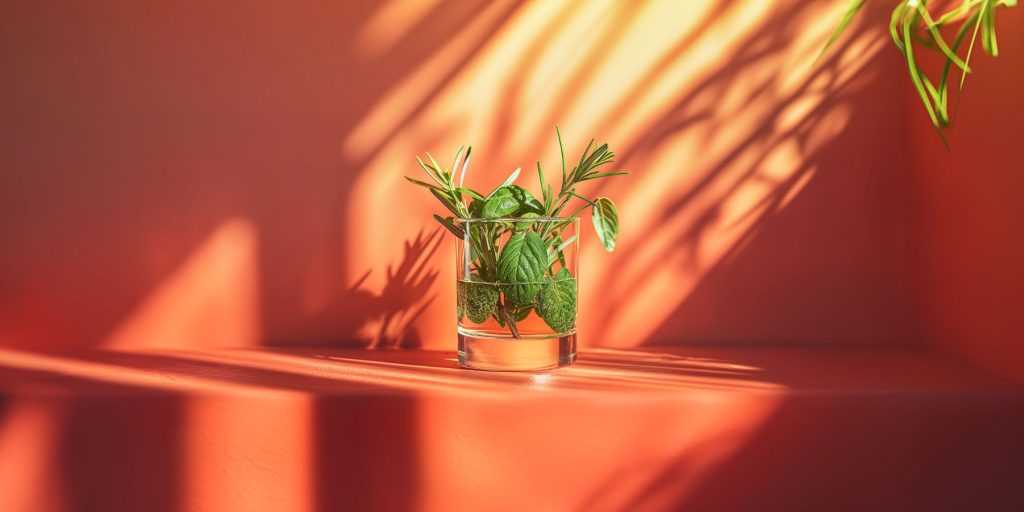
x: 556, y: 302
x: 606, y: 222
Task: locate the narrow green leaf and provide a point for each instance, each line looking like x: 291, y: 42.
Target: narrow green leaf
x: 957, y: 12
x: 557, y: 251
x: 940, y: 41
x: 588, y: 201
x: 915, y: 73
x: 561, y: 150
x: 970, y: 48
x: 430, y: 172
x: 540, y: 178
x: 606, y: 222
x: 852, y: 9
x: 447, y: 202
x: 508, y: 181
x: 455, y: 162
x: 604, y: 175
x: 988, y: 29
x: 440, y: 170
x: 894, y: 25
x: 449, y: 224
x: 465, y: 166
x: 418, y: 182
x: 470, y: 192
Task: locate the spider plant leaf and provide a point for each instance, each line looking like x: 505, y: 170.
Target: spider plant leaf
x: 915, y: 74
x: 964, y: 8
x: 894, y: 25
x: 970, y: 48
x: 988, y: 29
x: 940, y: 41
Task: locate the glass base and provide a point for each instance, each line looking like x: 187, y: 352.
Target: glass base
x: 504, y: 354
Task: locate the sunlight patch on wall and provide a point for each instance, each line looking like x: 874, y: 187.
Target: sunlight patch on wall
x: 390, y: 23
x: 211, y: 300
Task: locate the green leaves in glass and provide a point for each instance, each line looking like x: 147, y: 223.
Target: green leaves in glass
x: 556, y: 302
x: 521, y: 267
x: 509, y: 280
x: 606, y: 222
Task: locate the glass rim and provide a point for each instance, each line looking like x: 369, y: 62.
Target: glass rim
x: 515, y: 219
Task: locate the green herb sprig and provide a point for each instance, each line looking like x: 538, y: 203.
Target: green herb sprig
x: 528, y: 272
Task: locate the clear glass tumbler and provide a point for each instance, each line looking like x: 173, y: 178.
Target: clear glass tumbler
x: 516, y: 293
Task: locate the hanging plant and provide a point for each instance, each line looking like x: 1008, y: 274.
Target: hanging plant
x: 913, y: 29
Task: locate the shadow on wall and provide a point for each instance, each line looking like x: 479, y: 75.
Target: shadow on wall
x: 226, y: 175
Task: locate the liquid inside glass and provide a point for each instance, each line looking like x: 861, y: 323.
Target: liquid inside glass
x: 491, y: 344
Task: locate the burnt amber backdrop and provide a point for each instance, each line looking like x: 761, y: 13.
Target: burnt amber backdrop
x: 192, y: 175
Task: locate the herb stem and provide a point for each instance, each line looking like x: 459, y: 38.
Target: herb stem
x: 509, y: 320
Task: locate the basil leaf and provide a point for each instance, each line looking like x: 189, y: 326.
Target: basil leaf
x: 511, y: 201
x: 521, y: 267
x: 556, y: 303
x: 606, y: 222
x: 500, y: 204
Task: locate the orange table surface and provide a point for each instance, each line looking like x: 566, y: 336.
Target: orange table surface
x: 663, y: 428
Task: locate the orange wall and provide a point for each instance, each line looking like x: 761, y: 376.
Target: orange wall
x: 970, y: 205
x: 182, y: 174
